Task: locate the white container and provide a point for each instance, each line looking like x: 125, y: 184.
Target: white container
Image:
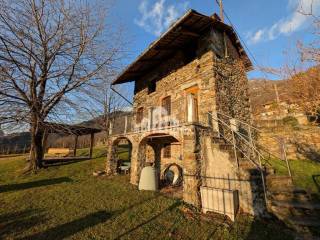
x: 220, y: 201
x: 148, y: 179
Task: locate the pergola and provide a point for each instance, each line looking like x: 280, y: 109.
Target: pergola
x: 76, y: 130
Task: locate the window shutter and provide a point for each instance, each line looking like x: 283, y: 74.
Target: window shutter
x: 166, y: 105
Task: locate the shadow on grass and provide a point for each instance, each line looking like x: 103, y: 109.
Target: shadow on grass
x: 68, y: 229
x: 34, y: 184
x: 61, y: 162
x: 67, y: 161
x: 71, y: 228
x: 265, y: 229
x: 316, y: 180
x: 18, y: 222
x: 308, y: 151
x: 170, y: 208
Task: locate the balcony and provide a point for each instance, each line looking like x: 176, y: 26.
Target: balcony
x: 129, y: 123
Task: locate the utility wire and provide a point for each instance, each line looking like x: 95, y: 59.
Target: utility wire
x: 243, y: 42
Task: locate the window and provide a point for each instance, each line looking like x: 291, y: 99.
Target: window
x: 166, y: 106
x: 192, y: 104
x: 139, y: 115
x: 167, y: 151
x: 152, y: 86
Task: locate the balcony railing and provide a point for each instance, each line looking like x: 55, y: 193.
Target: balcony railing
x: 127, y: 123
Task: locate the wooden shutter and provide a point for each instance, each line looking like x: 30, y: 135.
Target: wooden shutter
x: 166, y: 105
x: 192, y: 103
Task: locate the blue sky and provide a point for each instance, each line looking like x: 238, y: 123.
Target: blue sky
x: 269, y: 28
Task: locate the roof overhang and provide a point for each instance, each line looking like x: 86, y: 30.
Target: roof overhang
x: 183, y: 32
x: 69, y: 129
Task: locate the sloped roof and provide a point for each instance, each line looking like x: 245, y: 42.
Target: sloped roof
x: 185, y: 30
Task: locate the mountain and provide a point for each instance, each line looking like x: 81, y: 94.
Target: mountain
x: 15, y: 142
x: 263, y: 91
x: 302, y: 88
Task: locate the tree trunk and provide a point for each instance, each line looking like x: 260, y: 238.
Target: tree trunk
x: 36, y: 150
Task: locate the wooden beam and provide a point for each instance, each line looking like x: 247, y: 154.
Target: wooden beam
x: 187, y: 32
x: 168, y: 48
x: 151, y: 60
x: 91, y: 144
x: 75, y: 146
x: 44, y: 142
x: 221, y: 11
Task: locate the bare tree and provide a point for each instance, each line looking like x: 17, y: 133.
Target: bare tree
x: 303, y: 73
x: 311, y: 51
x: 110, y: 105
x: 49, y: 52
x: 306, y: 85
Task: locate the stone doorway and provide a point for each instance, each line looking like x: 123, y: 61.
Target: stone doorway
x: 119, y: 156
x: 159, y: 151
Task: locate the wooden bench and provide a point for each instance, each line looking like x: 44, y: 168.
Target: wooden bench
x: 59, y: 151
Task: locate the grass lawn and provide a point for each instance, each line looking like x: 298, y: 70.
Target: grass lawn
x: 306, y: 174
x: 67, y: 202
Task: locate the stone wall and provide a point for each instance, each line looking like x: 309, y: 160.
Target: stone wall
x: 232, y: 89
x: 219, y: 170
x: 198, y: 72
x: 301, y: 142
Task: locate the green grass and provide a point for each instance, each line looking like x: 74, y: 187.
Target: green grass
x: 67, y: 202
x: 306, y: 173
x: 122, y: 151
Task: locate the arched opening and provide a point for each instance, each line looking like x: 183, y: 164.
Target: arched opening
x: 119, y: 160
x: 123, y: 150
x: 161, y: 151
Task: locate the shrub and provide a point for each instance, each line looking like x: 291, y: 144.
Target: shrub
x: 292, y: 121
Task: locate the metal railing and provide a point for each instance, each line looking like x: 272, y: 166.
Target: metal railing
x: 252, y: 132
x: 237, y: 141
x: 126, y: 123
x: 243, y: 137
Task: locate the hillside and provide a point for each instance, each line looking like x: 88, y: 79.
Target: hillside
x: 15, y: 142
x: 302, y: 89
x: 263, y: 91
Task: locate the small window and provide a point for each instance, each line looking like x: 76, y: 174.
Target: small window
x: 152, y: 87
x: 139, y: 115
x: 167, y: 151
x: 166, y: 106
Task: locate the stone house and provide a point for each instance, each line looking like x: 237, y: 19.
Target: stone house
x: 194, y: 71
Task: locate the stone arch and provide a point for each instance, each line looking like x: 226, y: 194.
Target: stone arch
x: 112, y: 157
x: 155, y: 141
x: 173, y: 133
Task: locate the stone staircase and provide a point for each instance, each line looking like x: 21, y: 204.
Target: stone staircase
x: 289, y: 204
x: 294, y: 206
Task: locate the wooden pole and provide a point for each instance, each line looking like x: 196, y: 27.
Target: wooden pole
x: 221, y: 11
x: 44, y: 141
x: 75, y: 145
x: 91, y: 145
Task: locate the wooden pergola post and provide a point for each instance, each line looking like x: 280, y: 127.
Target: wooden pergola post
x: 75, y: 145
x: 44, y: 142
x: 91, y: 144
